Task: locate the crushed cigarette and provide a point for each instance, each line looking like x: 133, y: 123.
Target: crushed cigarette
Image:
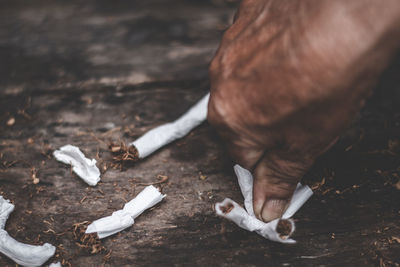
x: 125, y: 217
x: 169, y: 132
x: 82, y: 166
x: 278, y: 230
x: 23, y: 254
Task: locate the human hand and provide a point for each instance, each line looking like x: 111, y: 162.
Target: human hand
x: 288, y: 77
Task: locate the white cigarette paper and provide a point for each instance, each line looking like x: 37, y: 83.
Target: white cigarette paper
x: 82, y: 166
x: 246, y: 218
x: 125, y: 217
x: 23, y: 254
x: 57, y: 264
x: 169, y: 132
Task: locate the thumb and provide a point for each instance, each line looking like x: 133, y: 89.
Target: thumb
x: 275, y: 179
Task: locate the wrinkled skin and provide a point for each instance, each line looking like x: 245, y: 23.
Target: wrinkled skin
x: 288, y: 78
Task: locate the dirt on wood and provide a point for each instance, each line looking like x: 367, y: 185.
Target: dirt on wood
x: 87, y: 72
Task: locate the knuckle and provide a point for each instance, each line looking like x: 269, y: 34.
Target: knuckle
x: 281, y: 175
x: 213, y: 116
x: 283, y: 190
x: 214, y: 65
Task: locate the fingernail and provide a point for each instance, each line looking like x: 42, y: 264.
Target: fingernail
x: 273, y: 209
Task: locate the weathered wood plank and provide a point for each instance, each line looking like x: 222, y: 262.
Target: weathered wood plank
x: 89, y: 72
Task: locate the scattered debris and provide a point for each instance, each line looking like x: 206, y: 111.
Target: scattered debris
x: 129, y: 130
x: 202, y: 177
x: 24, y: 114
x: 11, y: 121
x: 123, y: 154
x: 90, y: 242
x: 46, y: 150
x: 161, y: 178
x: 107, y: 257
x: 35, y: 180
x: 83, y: 199
x: 5, y: 164
x: 62, y: 255
x: 23, y: 110
x: 318, y: 185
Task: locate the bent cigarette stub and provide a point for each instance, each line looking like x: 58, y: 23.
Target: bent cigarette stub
x: 82, y: 166
x: 5, y: 210
x: 278, y: 230
x: 169, y: 132
x: 23, y: 254
x: 125, y: 217
x: 241, y: 218
x: 238, y: 215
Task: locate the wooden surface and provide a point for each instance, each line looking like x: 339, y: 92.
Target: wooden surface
x: 90, y: 72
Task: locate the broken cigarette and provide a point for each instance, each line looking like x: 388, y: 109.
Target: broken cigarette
x: 125, y: 217
x: 23, y: 254
x: 278, y: 230
x: 82, y: 166
x: 169, y: 132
